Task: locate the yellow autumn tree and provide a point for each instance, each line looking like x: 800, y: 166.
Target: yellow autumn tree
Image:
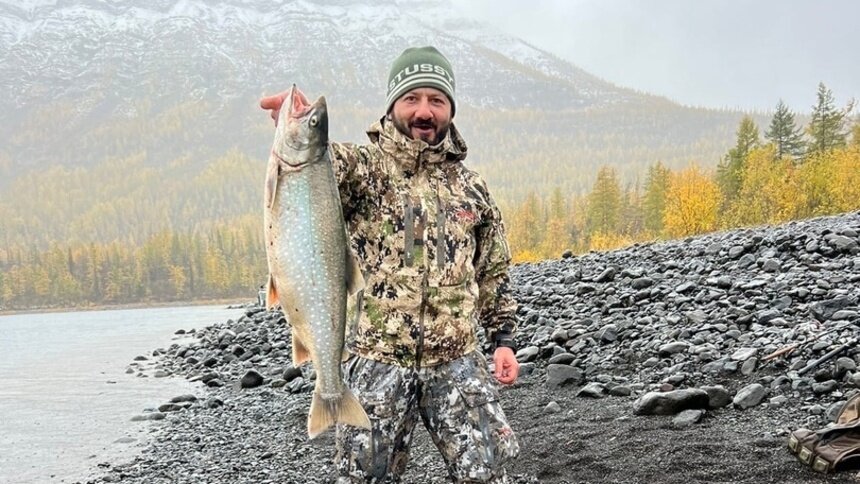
x: 844, y: 186
x: 692, y: 202
x: 770, y: 191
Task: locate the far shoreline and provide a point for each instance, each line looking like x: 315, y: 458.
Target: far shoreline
x: 137, y: 305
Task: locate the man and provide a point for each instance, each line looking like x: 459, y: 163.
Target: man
x: 430, y: 241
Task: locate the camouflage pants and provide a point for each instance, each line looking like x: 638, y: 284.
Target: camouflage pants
x: 457, y: 403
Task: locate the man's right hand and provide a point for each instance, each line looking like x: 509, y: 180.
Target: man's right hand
x: 274, y: 103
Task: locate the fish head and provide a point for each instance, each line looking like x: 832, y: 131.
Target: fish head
x: 301, y: 136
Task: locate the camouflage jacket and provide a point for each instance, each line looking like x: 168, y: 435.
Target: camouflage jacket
x: 430, y: 242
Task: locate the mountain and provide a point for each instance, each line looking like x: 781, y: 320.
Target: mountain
x: 174, y: 85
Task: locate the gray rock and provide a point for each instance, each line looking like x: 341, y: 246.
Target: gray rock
x: 746, y: 261
x: 608, y: 333
x: 173, y: 407
x: 718, y: 396
x: 552, y: 407
x: 824, y: 387
x: 743, y: 354
x: 562, y: 359
x: 641, y: 283
x: 215, y: 383
x: 148, y: 416
x: 688, y: 418
x: 297, y: 385
x: 824, y: 310
x: 768, y: 315
x: 697, y: 317
x: 846, y: 314
x: 214, y: 402
x: 749, y: 396
x: 608, y: 275
x: 592, y: 390
x: 291, y: 373
x: 620, y: 391
x: 670, y: 403
x: 529, y: 353
x: 558, y: 376
x: 183, y: 398
x: 672, y: 348
x: 771, y: 265
x: 749, y: 366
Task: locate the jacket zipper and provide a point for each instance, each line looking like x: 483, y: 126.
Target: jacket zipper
x: 420, y: 347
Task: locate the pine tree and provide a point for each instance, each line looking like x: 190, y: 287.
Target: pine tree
x: 654, y: 202
x: 784, y: 133
x: 604, y: 202
x: 827, y: 127
x: 731, y: 168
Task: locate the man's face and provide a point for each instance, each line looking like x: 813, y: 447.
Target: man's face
x: 423, y: 113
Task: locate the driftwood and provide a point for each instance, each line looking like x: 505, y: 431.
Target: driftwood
x: 782, y: 351
x: 827, y: 357
x: 788, y: 349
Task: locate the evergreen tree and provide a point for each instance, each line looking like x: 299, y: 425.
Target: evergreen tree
x: 784, y: 133
x: 827, y: 127
x: 654, y: 202
x: 731, y: 169
x: 604, y: 202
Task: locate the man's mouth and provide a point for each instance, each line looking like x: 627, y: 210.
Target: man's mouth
x: 424, y: 127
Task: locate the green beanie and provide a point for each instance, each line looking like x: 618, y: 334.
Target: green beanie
x: 420, y: 67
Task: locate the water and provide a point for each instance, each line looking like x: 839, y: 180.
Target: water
x: 65, y: 398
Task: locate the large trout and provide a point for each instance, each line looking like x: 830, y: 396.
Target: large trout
x: 311, y: 269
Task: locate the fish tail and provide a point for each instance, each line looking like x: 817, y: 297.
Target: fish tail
x: 345, y: 410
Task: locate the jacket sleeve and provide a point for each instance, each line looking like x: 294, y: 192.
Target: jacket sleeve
x: 496, y: 305
x: 350, y: 163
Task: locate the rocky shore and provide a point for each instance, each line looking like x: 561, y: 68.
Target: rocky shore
x: 686, y: 361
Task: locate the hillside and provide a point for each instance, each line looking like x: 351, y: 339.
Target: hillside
x: 155, y: 93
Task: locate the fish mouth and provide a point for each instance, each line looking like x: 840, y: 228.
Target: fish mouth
x: 296, y: 166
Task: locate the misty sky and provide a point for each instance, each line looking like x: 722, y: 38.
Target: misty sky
x: 714, y: 53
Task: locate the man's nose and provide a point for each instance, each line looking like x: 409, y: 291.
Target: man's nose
x: 423, y: 111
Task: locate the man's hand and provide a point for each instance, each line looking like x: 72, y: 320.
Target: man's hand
x: 274, y: 103
x: 507, y: 367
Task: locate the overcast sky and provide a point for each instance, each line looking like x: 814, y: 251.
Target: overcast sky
x: 713, y: 53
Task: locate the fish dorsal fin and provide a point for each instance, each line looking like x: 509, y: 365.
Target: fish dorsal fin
x: 300, y: 351
x: 271, y: 294
x: 354, y: 279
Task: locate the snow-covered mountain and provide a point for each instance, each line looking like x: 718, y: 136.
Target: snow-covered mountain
x: 86, y: 79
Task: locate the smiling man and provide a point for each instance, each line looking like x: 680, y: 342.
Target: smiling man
x: 430, y: 241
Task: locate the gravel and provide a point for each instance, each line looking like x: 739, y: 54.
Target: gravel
x: 684, y: 328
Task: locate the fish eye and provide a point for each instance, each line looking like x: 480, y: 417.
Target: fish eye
x: 313, y: 122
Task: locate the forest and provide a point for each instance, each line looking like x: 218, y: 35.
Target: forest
x: 125, y: 231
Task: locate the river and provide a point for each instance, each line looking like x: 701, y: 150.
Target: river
x: 66, y: 400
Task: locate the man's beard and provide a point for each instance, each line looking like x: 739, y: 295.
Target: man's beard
x: 406, y: 129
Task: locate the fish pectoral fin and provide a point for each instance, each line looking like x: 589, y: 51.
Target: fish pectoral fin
x: 354, y: 279
x: 272, y: 175
x: 344, y: 410
x: 271, y: 294
x: 300, y: 351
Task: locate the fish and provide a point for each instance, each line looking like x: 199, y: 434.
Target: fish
x: 312, y: 270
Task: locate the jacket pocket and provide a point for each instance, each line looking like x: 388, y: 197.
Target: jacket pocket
x: 472, y: 379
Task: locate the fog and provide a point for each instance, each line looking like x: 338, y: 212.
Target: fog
x: 713, y: 53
